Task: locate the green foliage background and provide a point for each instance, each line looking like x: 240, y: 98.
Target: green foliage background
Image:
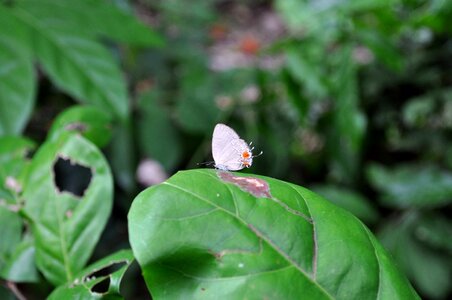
x: 352, y: 99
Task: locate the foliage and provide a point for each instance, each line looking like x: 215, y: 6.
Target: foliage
x: 349, y: 98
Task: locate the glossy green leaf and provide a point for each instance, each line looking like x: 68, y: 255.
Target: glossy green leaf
x: 429, y: 270
x: 158, y: 137
x: 83, y: 284
x: 199, y: 236
x: 66, y: 227
x: 94, y: 124
x: 74, y: 61
x: 17, y: 79
x: 20, y: 265
x: 412, y: 185
x: 349, y: 200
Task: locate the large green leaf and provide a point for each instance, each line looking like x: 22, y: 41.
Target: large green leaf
x: 93, y: 123
x: 84, y: 284
x: 73, y: 60
x: 17, y: 80
x: 200, y: 236
x: 412, y: 185
x: 66, y: 227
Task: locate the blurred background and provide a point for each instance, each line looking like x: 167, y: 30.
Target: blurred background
x: 352, y: 99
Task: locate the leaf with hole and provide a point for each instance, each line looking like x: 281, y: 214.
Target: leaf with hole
x: 207, y: 234
x: 67, y: 227
x: 109, y: 271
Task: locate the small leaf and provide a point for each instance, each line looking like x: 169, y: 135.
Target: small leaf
x: 84, y: 282
x: 412, y: 185
x: 349, y: 200
x: 207, y: 234
x: 66, y: 227
x: 94, y: 124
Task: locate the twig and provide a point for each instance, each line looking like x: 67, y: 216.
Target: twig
x: 13, y: 287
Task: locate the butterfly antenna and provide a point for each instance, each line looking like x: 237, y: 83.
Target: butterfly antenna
x: 260, y: 153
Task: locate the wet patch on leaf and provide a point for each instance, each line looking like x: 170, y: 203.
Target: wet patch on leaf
x: 76, y: 126
x: 71, y: 177
x: 257, y: 187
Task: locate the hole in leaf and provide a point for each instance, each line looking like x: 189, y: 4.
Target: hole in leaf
x: 102, y: 286
x: 71, y: 177
x: 115, y: 266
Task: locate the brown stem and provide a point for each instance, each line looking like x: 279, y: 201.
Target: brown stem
x: 13, y: 287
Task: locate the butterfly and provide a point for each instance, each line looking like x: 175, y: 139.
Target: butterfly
x: 229, y: 151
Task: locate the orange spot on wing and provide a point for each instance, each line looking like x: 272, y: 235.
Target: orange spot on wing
x: 246, y: 154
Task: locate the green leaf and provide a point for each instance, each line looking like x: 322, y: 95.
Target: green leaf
x: 21, y: 266
x: 84, y: 282
x: 349, y: 200
x: 158, y: 137
x: 96, y: 18
x: 200, y: 236
x: 66, y: 227
x: 349, y: 123
x: 14, y: 162
x: 17, y: 79
x: 435, y: 230
x: 305, y: 69
x: 429, y: 270
x: 121, y: 155
x: 94, y: 124
x: 196, y: 107
x: 421, y: 186
x: 10, y: 231
x: 74, y: 61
